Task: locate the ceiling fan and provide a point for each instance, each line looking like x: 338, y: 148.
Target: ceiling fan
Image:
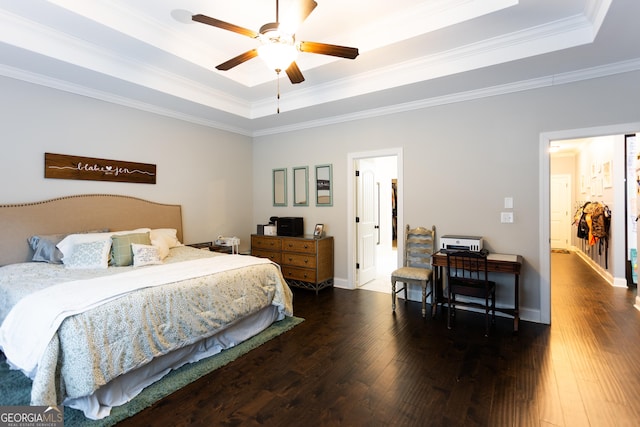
x: 278, y: 46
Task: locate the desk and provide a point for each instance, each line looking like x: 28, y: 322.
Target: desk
x: 496, y: 263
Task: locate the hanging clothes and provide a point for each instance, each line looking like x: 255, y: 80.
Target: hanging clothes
x: 593, y: 220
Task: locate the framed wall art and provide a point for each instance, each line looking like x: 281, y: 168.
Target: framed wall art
x: 301, y: 186
x: 63, y: 166
x: 280, y: 187
x: 324, y: 185
x: 606, y: 174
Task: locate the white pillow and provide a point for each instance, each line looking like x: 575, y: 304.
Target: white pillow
x: 67, y: 244
x: 164, y: 239
x: 89, y: 255
x: 145, y: 255
x: 169, y: 235
x: 137, y: 230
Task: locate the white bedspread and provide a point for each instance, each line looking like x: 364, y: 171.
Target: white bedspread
x: 24, y: 337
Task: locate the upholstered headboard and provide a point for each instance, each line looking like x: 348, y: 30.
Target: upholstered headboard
x: 76, y: 214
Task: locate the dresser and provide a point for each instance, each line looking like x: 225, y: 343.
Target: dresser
x: 306, y: 262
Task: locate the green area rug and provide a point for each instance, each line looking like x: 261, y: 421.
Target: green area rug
x: 15, y: 388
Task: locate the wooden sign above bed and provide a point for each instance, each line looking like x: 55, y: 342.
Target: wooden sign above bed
x: 62, y: 166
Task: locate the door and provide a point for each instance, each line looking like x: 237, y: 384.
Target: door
x: 560, y: 206
x: 366, y: 222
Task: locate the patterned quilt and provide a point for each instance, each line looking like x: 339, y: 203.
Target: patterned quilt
x: 94, y: 347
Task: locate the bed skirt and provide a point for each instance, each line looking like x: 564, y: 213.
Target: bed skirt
x: 125, y: 387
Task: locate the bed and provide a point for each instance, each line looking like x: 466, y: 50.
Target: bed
x: 103, y: 332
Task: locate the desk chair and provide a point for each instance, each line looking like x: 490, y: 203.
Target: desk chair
x: 467, y: 275
x: 418, y: 248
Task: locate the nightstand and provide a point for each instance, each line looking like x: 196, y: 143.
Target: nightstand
x: 212, y: 247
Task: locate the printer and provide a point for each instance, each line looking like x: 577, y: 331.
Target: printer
x: 467, y: 243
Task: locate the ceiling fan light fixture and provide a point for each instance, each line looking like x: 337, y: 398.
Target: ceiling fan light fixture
x: 277, y: 51
x: 278, y: 47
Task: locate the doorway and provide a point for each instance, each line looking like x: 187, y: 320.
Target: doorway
x: 560, y: 211
x: 546, y: 142
x: 374, y: 209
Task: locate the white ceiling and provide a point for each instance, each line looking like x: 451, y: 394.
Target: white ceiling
x: 149, y: 54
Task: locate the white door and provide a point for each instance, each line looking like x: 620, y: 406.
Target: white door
x: 366, y: 211
x: 560, y: 205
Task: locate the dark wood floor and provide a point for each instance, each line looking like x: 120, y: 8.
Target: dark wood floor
x: 354, y: 363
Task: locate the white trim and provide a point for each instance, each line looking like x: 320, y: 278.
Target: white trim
x: 520, y: 86
x: 351, y: 202
x: 100, y: 95
x: 544, y: 197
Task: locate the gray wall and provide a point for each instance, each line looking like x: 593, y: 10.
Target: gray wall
x: 207, y: 171
x: 460, y: 161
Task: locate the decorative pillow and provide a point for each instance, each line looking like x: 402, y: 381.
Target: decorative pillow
x: 145, y: 255
x: 168, y: 235
x: 164, y: 239
x: 121, y: 252
x: 44, y: 248
x: 89, y: 255
x: 67, y: 245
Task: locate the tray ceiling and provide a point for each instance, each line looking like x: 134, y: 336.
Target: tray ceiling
x: 148, y: 54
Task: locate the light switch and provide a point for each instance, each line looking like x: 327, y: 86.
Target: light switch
x: 508, y: 202
x: 506, y: 217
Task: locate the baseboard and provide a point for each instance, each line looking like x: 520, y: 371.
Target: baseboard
x: 618, y: 282
x: 526, y: 314
x: 342, y: 283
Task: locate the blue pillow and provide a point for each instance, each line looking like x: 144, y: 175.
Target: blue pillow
x: 44, y: 248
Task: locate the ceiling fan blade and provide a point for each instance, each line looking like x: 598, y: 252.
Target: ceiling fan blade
x: 303, y: 9
x: 329, y: 49
x: 294, y: 73
x: 244, y: 57
x: 296, y: 15
x: 224, y: 25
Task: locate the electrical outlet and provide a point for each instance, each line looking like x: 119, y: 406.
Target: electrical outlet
x: 506, y: 217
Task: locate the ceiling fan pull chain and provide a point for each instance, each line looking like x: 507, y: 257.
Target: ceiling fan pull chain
x: 278, y: 79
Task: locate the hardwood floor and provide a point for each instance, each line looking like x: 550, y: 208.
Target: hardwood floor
x: 354, y: 363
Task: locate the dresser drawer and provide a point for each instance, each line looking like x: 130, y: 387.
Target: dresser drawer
x: 299, y: 260
x: 296, y: 273
x: 305, y: 261
x: 273, y: 256
x: 299, y: 245
x: 267, y: 243
x: 505, y: 267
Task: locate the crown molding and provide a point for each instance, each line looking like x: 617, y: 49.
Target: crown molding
x: 537, y: 83
x: 26, y: 34
x: 561, y: 34
x: 65, y: 86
